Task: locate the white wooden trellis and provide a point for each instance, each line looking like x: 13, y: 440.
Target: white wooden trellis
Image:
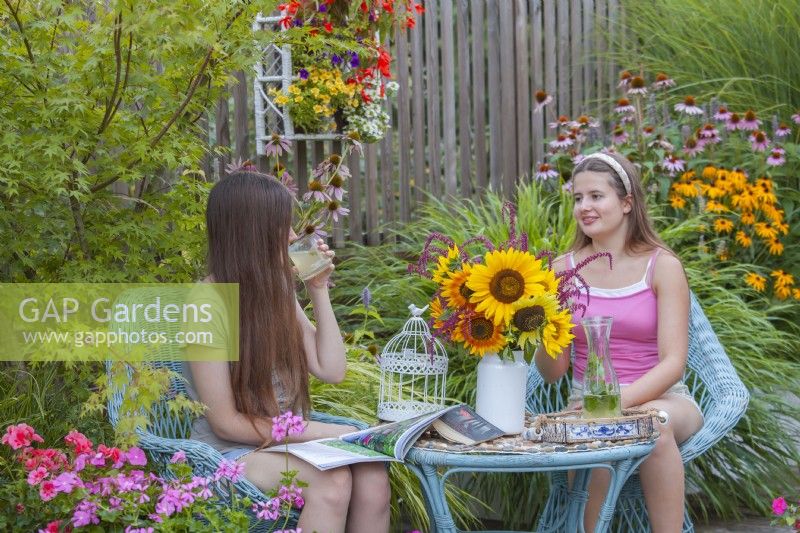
x: 274, y: 70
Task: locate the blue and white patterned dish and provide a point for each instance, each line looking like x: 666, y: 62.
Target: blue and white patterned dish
x: 569, y: 428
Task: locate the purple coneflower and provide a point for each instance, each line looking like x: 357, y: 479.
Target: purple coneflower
x: 783, y: 130
x: 562, y: 141
x: 637, y: 86
x: 619, y: 135
x: 289, y: 183
x: 577, y: 159
x: 796, y: 118
x: 708, y: 132
x: 674, y: 164
x: 759, y: 141
x: 647, y: 131
x: 562, y: 120
x: 334, y: 188
x: 624, y: 106
x: 688, y: 106
x: 303, y: 73
x: 316, y: 229
x: 336, y: 210
x: 567, y: 186
x: 316, y: 191
x: 722, y: 114
x: 776, y: 158
x: 624, y: 78
x: 545, y: 172
x: 627, y: 119
x: 277, y: 145
x: 660, y: 142
x: 542, y: 99
x: 663, y: 81
x: 750, y: 121
x: 692, y: 147
x: 238, y: 165
x: 734, y: 122
x: 584, y: 121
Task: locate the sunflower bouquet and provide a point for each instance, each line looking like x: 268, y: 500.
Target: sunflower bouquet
x: 501, y: 298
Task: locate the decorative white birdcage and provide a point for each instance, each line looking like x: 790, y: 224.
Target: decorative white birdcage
x: 274, y: 71
x: 413, y: 371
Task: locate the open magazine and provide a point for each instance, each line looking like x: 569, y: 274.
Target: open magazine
x: 391, y: 442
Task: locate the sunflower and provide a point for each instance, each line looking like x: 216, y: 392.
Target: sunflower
x: 557, y: 335
x: 443, y: 267
x: 505, y: 277
x: 531, y: 315
x: 479, y: 334
x: 454, y: 287
x: 437, y: 310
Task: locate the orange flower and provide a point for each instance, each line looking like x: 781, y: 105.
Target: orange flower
x: 723, y: 225
x: 743, y: 239
x: 759, y: 283
x: 775, y: 247
x: 748, y: 218
x: 676, y: 201
x: 796, y: 294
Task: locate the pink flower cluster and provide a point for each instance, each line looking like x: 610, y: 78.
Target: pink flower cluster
x: 291, y: 496
x: 287, y: 424
x: 786, y: 513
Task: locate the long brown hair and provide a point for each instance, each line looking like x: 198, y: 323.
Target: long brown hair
x: 641, y: 236
x: 248, y: 219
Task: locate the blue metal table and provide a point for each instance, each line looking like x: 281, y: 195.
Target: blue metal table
x: 433, y: 466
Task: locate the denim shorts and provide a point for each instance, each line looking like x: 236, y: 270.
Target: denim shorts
x: 680, y: 388
x: 236, y: 454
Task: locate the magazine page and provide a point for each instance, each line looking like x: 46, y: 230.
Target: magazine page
x: 331, y: 453
x: 395, y: 438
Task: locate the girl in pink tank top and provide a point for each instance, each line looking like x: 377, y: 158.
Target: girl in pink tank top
x: 647, y: 295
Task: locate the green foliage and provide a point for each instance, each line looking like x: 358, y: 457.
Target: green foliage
x: 745, y: 52
x: 100, y: 110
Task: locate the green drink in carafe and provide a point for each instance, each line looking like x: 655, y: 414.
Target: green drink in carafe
x: 601, y: 398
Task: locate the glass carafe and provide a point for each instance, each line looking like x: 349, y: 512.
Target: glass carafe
x: 601, y: 397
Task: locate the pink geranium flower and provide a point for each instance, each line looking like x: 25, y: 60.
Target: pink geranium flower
x: 20, y: 436
x: 36, y: 475
x: 52, y: 527
x: 47, y: 490
x: 178, y: 457
x: 779, y: 505
x: 287, y: 424
x: 78, y: 442
x: 233, y: 470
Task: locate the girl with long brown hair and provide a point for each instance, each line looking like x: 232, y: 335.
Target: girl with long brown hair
x: 249, y: 229
x: 647, y: 295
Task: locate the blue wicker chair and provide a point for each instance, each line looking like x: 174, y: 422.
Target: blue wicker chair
x: 168, y: 431
x: 713, y: 381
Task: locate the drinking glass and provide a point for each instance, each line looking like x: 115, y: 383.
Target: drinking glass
x: 307, y: 258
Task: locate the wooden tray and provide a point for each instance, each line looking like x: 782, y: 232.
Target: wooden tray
x: 567, y: 427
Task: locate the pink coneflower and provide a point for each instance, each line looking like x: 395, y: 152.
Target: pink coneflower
x: 692, y: 147
x: 708, y: 132
x: 663, y: 81
x: 783, y: 130
x: 674, y: 164
x: 624, y: 106
x: 660, y: 142
x: 542, y: 99
x: 277, y: 145
x: 316, y: 192
x: 625, y: 78
x: 734, y: 122
x: 562, y: 120
x: 334, y: 188
x: 637, y: 86
x: 316, y: 229
x: 627, y: 119
x: 647, y: 131
x: 722, y: 114
x: 688, y: 106
x: 750, y: 121
x: 335, y: 210
x: 584, y: 121
x: 759, y: 141
x: 796, y: 118
x: 562, y: 141
x: 545, y: 172
x: 776, y: 158
x: 619, y: 135
x: 567, y: 187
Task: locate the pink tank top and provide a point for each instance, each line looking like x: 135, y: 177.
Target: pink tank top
x: 634, y: 330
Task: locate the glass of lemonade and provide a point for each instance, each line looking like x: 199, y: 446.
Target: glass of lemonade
x: 307, y: 258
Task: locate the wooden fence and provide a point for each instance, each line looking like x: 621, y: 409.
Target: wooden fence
x: 463, y: 120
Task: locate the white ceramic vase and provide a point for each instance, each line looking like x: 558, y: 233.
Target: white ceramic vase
x: 501, y: 391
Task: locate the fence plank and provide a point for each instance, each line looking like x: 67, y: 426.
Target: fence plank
x: 507, y: 94
x: 613, y: 14
x: 588, y: 65
x: 601, y: 90
x: 223, y: 133
x: 432, y: 97
x: 495, y: 110
x: 550, y: 59
x: 479, y: 94
x: 372, y: 194
x: 241, y: 114
x: 404, y: 126
x: 564, y: 104
x: 537, y: 78
x: 448, y: 98
x: 387, y: 182
x: 576, y: 56
x: 354, y: 198
x: 465, y: 159
x: 418, y: 109
x: 521, y: 32
x: 300, y: 166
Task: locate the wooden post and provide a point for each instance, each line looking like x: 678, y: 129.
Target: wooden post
x: 479, y: 95
x: 464, y: 148
x: 448, y: 99
x: 223, y: 133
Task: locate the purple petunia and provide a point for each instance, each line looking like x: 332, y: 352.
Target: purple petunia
x: 336, y: 60
x: 355, y: 62
x: 303, y: 73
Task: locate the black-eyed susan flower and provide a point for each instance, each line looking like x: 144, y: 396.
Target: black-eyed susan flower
x: 723, y: 225
x: 505, y: 277
x: 781, y: 293
x: 454, y: 287
x: 796, y: 294
x: 782, y: 278
x: 748, y: 218
x: 479, y: 334
x: 712, y: 206
x: 775, y: 247
x: 756, y: 281
x: 709, y: 172
x: 745, y: 200
x: 531, y: 315
x: 772, y: 213
x: 766, y: 231
x: 557, y: 334
x: 743, y: 239
x: 677, y: 202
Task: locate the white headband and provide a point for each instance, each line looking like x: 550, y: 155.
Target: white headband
x: 613, y: 163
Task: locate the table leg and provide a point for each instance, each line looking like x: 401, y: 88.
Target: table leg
x: 620, y: 472
x: 433, y: 491
x: 578, y: 495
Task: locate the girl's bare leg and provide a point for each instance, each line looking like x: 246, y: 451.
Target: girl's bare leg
x: 369, y: 499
